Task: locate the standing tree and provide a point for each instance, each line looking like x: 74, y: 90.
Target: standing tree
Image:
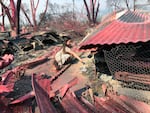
x: 12, y: 13
x: 34, y: 11
x: 127, y: 4
x: 3, y: 20
x: 92, y: 11
x: 18, y: 17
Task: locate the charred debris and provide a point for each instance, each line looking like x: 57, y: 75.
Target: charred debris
x: 28, y: 41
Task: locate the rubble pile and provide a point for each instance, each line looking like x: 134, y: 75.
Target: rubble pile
x: 62, y: 100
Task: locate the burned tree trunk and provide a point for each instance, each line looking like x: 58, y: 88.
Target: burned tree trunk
x: 3, y: 21
x: 43, y: 15
x: 97, y: 9
x: 92, y: 12
x: 88, y: 12
x: 33, y: 10
x: 26, y: 15
x: 18, y: 17
x: 127, y: 4
x: 8, y: 14
x: 12, y: 14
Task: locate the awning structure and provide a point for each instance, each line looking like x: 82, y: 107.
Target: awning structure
x: 130, y: 27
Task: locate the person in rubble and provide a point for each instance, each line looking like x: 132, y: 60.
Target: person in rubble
x: 65, y: 55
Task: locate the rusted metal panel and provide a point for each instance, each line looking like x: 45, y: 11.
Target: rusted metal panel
x: 66, y: 87
x: 72, y: 105
x: 130, y: 77
x: 42, y: 98
x: 120, y: 31
x: 89, y: 105
x: 141, y: 107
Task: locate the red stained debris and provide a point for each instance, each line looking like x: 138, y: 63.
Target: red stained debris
x: 23, y: 98
x: 139, y: 106
x: 69, y: 102
x: 6, y: 60
x: 5, y: 88
x: 66, y: 87
x: 72, y: 105
x: 115, y: 104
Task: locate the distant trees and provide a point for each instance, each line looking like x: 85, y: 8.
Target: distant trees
x: 66, y: 17
x: 128, y: 4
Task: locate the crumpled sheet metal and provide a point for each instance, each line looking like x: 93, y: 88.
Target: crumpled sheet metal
x: 121, y: 104
x: 42, y: 98
x: 45, y: 84
x: 139, y: 106
x: 113, y: 104
x: 69, y: 102
x: 72, y: 105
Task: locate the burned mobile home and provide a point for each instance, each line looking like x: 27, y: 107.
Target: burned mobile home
x: 124, y: 47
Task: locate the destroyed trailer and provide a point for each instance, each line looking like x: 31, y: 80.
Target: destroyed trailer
x: 124, y: 47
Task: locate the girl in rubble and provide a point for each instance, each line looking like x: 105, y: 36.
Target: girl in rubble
x: 65, y: 55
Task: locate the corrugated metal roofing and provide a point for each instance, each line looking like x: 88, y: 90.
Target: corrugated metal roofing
x: 130, y: 27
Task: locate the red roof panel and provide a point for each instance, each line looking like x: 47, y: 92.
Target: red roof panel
x: 131, y: 27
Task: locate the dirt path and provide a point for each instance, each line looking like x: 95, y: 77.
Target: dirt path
x: 69, y: 74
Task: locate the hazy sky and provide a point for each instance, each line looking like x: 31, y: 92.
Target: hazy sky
x: 80, y: 5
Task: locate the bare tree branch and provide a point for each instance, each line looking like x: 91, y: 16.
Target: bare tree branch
x: 18, y: 17
x: 127, y: 4
x: 37, y: 5
x: 26, y: 15
x: 13, y: 10
x: 44, y: 12
x: 97, y: 9
x: 88, y: 12
x: 3, y: 20
x: 93, y: 11
x: 8, y: 14
x: 33, y: 14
